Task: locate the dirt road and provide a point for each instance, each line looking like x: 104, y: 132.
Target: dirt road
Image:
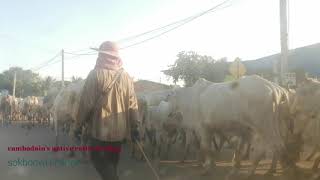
x: 129, y: 169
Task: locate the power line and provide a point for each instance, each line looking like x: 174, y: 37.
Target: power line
x: 59, y: 60
x: 80, y: 50
x: 83, y: 54
x: 153, y: 30
x: 177, y: 23
x: 45, y: 63
x: 74, y: 57
x: 213, y: 9
x: 168, y: 25
x: 52, y: 62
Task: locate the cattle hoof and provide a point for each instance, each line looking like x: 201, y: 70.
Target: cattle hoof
x: 233, y: 174
x: 248, y: 177
x: 237, y: 165
x: 206, y: 171
x: 234, y: 171
x: 270, y: 173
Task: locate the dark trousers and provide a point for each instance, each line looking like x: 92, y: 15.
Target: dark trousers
x: 105, y: 162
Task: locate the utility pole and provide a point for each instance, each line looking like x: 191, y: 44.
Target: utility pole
x: 276, y: 71
x: 284, y: 39
x: 238, y: 69
x: 62, y: 71
x: 14, y: 84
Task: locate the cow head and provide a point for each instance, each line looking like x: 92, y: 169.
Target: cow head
x: 173, y: 122
x: 173, y: 101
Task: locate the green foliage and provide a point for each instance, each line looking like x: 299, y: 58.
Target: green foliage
x: 28, y: 83
x: 191, y: 66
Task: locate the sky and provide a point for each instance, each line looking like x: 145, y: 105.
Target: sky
x: 34, y: 31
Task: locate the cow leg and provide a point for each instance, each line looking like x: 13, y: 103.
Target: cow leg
x: 74, y: 142
x: 316, y: 163
x: 56, y: 131
x: 247, y: 152
x: 197, y: 147
x: 153, y: 145
x: 223, y: 140
x: 214, y: 140
x: 255, y: 163
x: 159, y: 141
x: 156, y: 150
x: 205, y: 147
x: 143, y: 141
x: 165, y: 140
x: 187, y: 141
x: 185, y: 145
x: 2, y: 119
x: 273, y: 167
x: 153, y: 142
x: 168, y: 148
x: 131, y: 145
x: 148, y: 139
x: 237, y: 154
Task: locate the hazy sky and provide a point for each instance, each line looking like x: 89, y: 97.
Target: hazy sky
x: 33, y: 31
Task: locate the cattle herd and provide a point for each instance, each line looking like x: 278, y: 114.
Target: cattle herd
x: 30, y: 109
x: 252, y: 116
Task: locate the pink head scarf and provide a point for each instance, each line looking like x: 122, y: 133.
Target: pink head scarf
x: 108, y: 57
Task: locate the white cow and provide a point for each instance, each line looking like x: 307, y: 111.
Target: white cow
x: 185, y: 102
x: 30, y: 106
x: 65, y: 107
x: 154, y: 98
x: 251, y: 101
x: 154, y: 132
x: 9, y: 107
x: 306, y: 111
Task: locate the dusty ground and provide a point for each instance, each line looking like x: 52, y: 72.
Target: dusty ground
x: 129, y: 169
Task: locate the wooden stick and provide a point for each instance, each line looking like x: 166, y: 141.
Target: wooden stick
x: 148, y: 161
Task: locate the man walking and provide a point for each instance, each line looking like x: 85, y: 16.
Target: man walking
x: 108, y: 106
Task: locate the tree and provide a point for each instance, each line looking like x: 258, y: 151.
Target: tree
x: 28, y: 83
x: 47, y: 83
x: 191, y: 66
